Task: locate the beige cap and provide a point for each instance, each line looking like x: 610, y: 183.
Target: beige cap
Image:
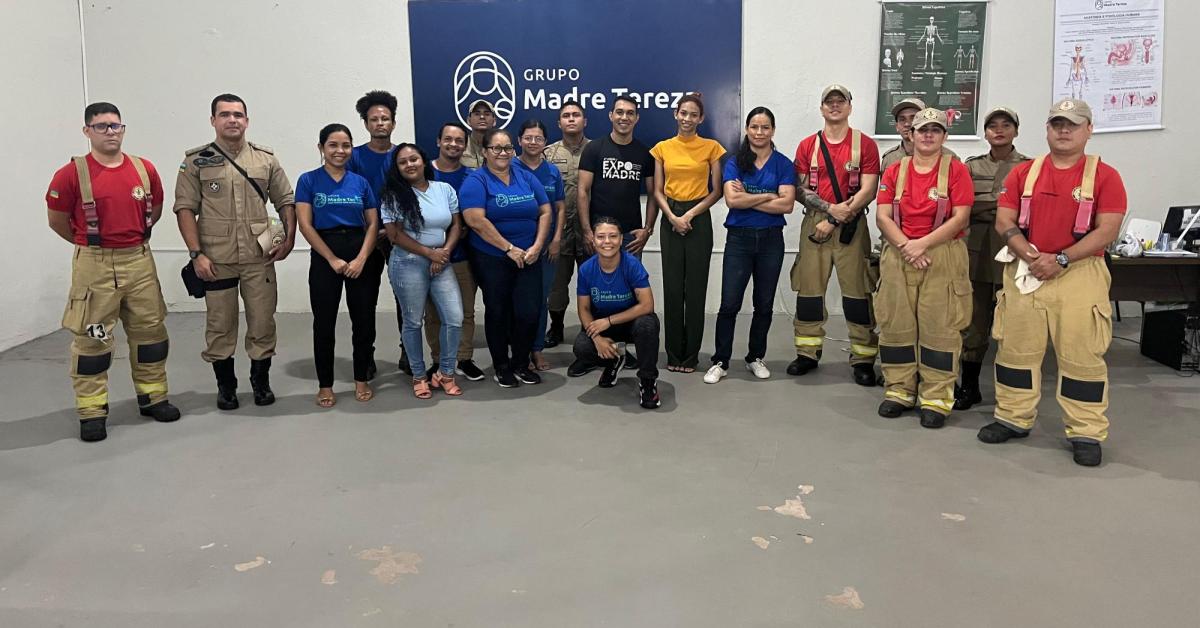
x: 907, y: 103
x: 1076, y: 111
x: 841, y: 89
x: 930, y: 116
x: 475, y: 105
x: 1001, y: 111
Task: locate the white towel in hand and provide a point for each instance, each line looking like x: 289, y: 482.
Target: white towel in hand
x: 1024, y: 279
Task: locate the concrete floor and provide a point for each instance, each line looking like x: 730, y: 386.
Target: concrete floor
x: 563, y: 505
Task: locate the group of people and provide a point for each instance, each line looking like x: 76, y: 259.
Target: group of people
x: 997, y: 247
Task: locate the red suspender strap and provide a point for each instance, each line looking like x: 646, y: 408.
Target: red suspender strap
x: 1027, y: 194
x: 1087, y: 203
x: 147, y: 196
x: 854, y: 166
x: 943, y: 190
x: 812, y: 166
x: 90, y: 218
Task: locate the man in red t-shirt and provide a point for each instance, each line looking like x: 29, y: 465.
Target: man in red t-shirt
x: 1057, y: 214
x: 105, y: 204
x: 832, y: 235
x: 924, y: 297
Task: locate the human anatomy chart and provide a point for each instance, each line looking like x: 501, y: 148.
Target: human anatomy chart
x: 1109, y: 53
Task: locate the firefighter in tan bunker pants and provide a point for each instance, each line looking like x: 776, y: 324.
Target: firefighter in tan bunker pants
x: 924, y: 298
x: 105, y: 203
x: 1057, y: 214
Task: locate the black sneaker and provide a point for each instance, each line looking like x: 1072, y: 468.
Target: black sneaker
x: 864, y: 374
x: 801, y: 365
x: 932, y: 419
x: 892, y: 409
x: 648, y: 391
x: 506, y: 379
x: 630, y: 361
x: 1086, y: 453
x: 92, y: 430
x: 527, y: 376
x: 608, y: 378
x: 469, y: 370
x: 163, y: 412
x: 579, y: 368
x: 997, y: 432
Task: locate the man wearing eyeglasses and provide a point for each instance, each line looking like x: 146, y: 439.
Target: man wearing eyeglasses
x: 221, y: 198
x: 565, y: 155
x: 480, y: 118
x: 105, y: 203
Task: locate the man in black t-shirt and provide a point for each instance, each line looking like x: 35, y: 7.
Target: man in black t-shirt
x: 612, y: 171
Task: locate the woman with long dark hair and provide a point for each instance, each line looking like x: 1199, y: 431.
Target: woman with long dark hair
x: 760, y: 189
x: 422, y: 221
x: 337, y: 212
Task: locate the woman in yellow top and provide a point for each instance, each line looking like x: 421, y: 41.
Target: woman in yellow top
x: 687, y: 181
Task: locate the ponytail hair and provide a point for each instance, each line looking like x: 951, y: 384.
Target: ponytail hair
x: 745, y: 155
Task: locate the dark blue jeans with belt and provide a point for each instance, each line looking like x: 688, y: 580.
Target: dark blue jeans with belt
x: 749, y: 253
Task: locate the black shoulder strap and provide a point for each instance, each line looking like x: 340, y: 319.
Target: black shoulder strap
x: 829, y: 169
x: 242, y: 171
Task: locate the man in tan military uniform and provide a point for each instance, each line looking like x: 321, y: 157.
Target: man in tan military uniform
x: 480, y: 118
x: 564, y: 154
x: 903, y: 113
x: 988, y: 172
x: 105, y: 203
x: 1057, y: 213
x: 220, y: 205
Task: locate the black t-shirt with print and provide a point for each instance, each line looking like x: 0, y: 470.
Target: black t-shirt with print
x: 618, y: 172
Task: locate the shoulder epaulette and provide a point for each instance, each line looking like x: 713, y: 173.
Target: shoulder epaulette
x: 193, y: 151
x: 263, y: 148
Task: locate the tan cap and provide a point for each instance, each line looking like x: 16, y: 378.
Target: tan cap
x: 930, y: 116
x: 475, y: 105
x: 1001, y: 111
x: 841, y: 89
x: 907, y: 103
x: 1076, y: 111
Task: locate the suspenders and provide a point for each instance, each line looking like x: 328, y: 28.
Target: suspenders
x: 853, y: 167
x: 1086, y: 198
x: 91, y: 218
x: 942, y: 191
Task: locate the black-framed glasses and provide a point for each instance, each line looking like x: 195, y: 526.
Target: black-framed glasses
x: 104, y: 127
x: 500, y: 150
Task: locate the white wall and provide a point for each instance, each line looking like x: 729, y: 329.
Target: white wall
x: 300, y: 65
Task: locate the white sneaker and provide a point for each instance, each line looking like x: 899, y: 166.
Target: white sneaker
x: 715, y: 374
x: 759, y: 369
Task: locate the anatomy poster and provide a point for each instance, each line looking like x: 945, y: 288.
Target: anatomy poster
x: 1109, y: 54
x: 932, y: 51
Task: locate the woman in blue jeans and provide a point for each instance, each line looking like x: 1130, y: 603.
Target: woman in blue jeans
x: 422, y: 221
x: 533, y: 142
x: 760, y: 188
x: 509, y: 215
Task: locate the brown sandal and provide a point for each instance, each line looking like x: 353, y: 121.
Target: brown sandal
x: 363, y: 395
x: 421, y: 389
x: 446, y: 383
x: 326, y: 400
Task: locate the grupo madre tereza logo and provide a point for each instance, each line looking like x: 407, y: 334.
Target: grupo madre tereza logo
x: 485, y: 75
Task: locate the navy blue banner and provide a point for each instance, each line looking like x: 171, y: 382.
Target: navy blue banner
x: 527, y: 56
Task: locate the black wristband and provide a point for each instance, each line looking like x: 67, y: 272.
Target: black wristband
x: 833, y: 221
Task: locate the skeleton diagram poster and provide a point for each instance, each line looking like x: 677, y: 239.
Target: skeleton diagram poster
x: 1109, y: 54
x: 933, y: 51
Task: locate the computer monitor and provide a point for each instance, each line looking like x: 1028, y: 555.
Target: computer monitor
x: 1179, y: 219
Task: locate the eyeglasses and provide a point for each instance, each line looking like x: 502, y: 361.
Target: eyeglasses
x: 500, y: 150
x: 104, y: 127
x: 533, y: 139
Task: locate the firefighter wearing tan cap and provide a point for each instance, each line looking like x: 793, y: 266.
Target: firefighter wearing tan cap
x: 924, y: 298
x: 1057, y: 214
x: 837, y: 171
x: 987, y: 275
x: 105, y: 203
x: 903, y: 113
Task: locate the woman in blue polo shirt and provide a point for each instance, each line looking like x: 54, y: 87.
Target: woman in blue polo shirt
x: 533, y: 142
x: 509, y: 215
x: 338, y: 214
x: 760, y: 188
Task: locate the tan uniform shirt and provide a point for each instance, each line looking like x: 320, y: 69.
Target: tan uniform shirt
x: 231, y: 213
x: 472, y: 156
x: 567, y: 162
x: 983, y: 242
x: 897, y: 152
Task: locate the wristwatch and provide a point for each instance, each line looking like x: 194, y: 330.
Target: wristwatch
x: 833, y: 221
x: 195, y: 254
x: 1062, y: 260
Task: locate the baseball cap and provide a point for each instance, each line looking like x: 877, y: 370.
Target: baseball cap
x: 1076, y: 111
x: 907, y: 103
x: 841, y: 89
x: 1001, y: 111
x: 483, y: 102
x: 928, y: 116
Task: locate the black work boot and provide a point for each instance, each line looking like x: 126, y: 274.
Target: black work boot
x: 260, y: 381
x: 864, y: 375
x: 226, y: 384
x: 932, y: 419
x: 1086, y: 453
x: 554, y: 335
x: 93, y: 430
x: 997, y: 432
x: 967, y: 393
x: 163, y: 411
x: 801, y: 365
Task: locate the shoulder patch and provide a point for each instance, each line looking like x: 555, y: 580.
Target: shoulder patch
x: 193, y: 151
x: 263, y: 148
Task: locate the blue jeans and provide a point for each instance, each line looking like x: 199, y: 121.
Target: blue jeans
x: 756, y: 253
x: 413, y: 284
x: 548, y: 270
